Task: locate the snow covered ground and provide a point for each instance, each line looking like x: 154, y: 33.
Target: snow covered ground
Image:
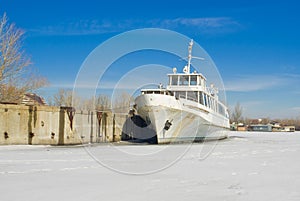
x: 246, y: 166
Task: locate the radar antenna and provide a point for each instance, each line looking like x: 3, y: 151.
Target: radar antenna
x: 187, y: 68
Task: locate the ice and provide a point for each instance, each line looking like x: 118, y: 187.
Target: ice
x: 246, y: 166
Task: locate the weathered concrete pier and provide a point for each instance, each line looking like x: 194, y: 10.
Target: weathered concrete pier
x: 47, y: 125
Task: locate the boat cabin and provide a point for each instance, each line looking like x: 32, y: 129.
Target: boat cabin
x: 182, y: 79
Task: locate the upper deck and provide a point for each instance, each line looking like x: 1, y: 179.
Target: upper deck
x: 186, y: 81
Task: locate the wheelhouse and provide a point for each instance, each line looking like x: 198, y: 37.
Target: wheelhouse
x: 183, y: 80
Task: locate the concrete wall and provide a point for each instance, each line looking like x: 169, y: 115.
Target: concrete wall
x: 20, y: 124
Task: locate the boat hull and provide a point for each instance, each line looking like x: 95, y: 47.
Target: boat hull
x: 177, y: 120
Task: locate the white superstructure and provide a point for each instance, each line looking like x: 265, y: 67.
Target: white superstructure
x: 186, y: 110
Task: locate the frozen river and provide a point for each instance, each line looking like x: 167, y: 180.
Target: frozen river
x: 246, y: 166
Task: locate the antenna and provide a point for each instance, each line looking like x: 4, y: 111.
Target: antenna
x: 190, y: 56
x: 187, y: 68
x: 200, y: 58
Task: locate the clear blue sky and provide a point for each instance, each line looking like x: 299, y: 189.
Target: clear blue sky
x: 255, y: 44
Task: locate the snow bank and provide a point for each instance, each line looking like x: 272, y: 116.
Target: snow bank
x: 246, y: 166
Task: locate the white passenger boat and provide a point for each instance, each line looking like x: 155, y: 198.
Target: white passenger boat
x: 186, y: 110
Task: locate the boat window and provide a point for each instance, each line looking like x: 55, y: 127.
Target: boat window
x: 205, y: 100
x: 193, y: 80
x: 192, y: 95
x: 201, y: 98
x: 184, y: 80
x: 180, y: 94
x: 174, y: 79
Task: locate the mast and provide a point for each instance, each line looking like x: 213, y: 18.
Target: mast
x: 189, y: 56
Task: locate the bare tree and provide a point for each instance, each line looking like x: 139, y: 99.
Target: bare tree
x: 102, y: 103
x: 15, y: 75
x: 122, y: 102
x: 63, y: 98
x: 67, y: 98
x: 236, y: 115
x: 84, y: 104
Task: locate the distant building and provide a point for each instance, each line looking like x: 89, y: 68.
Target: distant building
x: 276, y: 127
x: 273, y: 126
x: 289, y: 128
x: 241, y: 127
x: 238, y: 127
x: 261, y: 127
x: 33, y: 99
